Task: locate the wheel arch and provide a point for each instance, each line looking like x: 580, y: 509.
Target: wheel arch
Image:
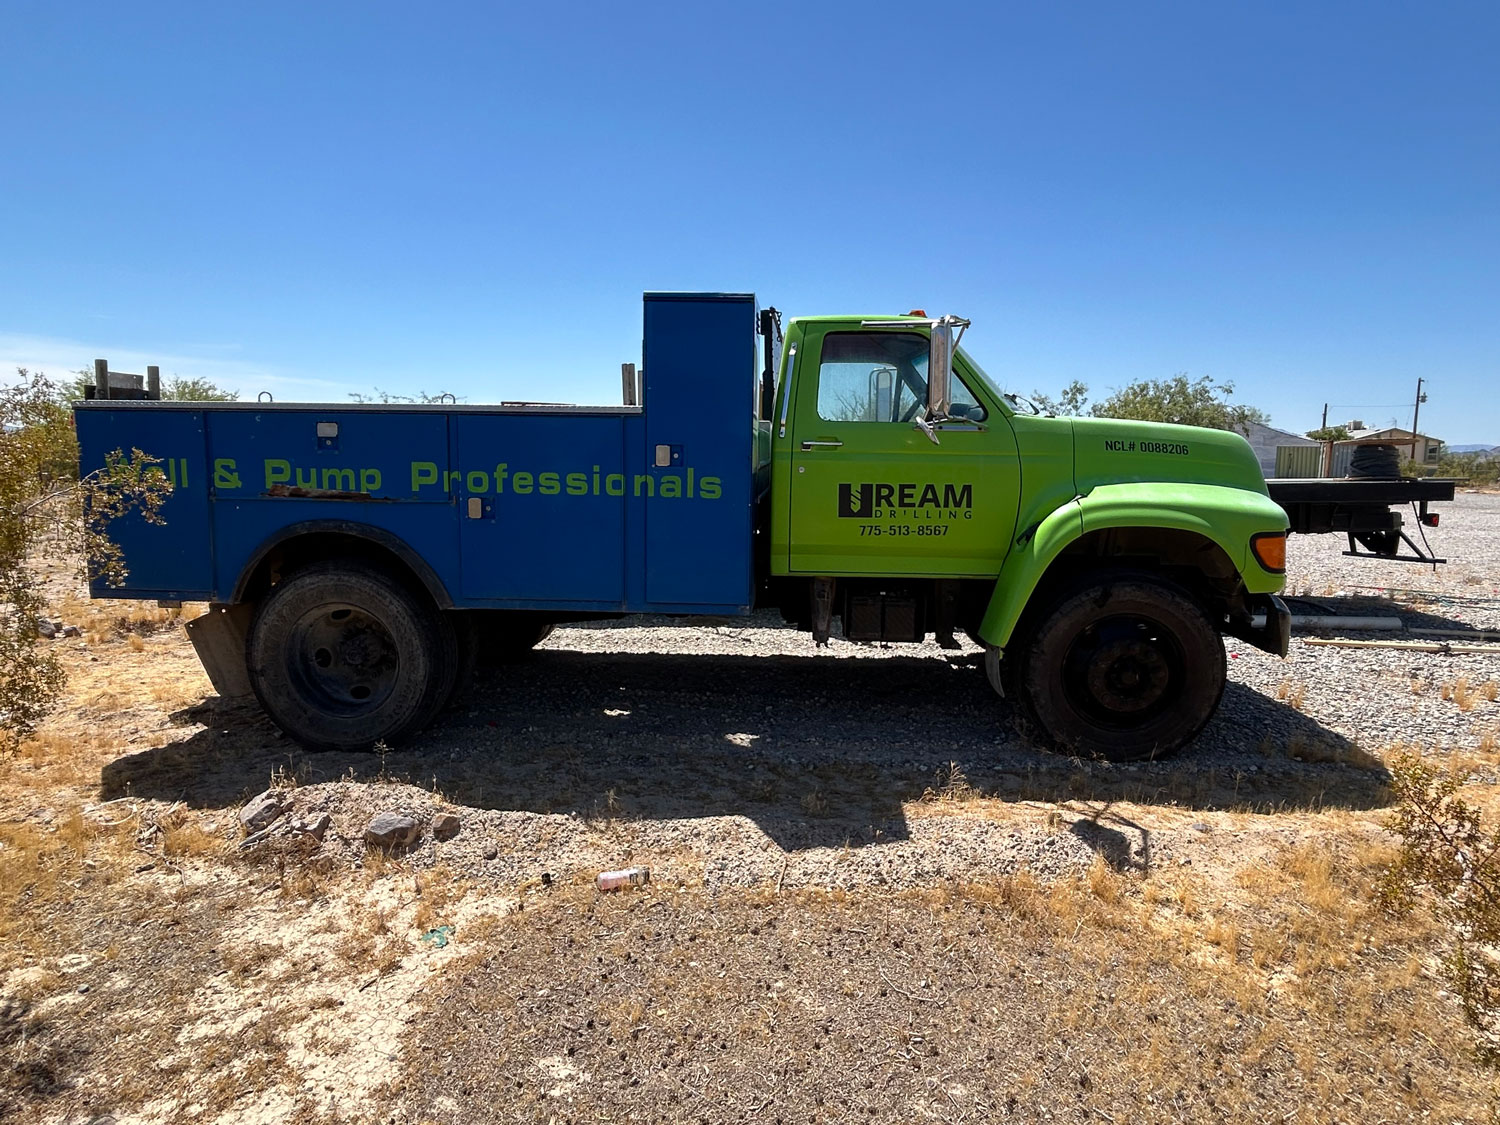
x: 1195, y: 541
x: 315, y: 540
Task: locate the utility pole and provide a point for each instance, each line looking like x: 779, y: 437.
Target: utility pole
x: 1416, y: 410
x: 1325, y: 463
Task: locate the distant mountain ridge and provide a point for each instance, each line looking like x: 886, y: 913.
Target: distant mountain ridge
x: 1471, y: 448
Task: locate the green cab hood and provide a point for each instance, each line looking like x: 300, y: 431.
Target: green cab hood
x: 1116, y: 451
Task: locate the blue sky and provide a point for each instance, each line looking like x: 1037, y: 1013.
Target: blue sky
x: 1300, y: 198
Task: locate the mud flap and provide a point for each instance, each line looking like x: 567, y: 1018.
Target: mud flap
x: 992, y: 658
x: 1275, y: 636
x: 219, y: 640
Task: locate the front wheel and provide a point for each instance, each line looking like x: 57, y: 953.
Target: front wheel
x: 343, y: 656
x: 1123, y: 668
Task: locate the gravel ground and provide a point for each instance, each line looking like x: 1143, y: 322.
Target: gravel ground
x: 1380, y: 697
x: 736, y: 754
x: 827, y: 931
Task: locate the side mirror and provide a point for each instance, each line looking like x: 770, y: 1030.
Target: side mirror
x: 939, y: 370
x: 883, y: 392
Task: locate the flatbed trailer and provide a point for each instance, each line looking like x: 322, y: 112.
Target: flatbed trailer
x: 1365, y: 511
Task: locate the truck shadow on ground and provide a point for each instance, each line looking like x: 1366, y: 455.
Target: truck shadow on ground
x: 816, y: 751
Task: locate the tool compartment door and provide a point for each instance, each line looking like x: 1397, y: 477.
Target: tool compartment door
x: 696, y: 472
x: 541, y: 508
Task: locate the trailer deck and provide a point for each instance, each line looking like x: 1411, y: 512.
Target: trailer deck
x: 1364, y: 511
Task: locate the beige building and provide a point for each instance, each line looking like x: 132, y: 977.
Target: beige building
x: 1422, y: 448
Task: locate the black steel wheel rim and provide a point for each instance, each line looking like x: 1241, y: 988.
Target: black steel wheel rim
x: 343, y: 659
x: 1124, y: 672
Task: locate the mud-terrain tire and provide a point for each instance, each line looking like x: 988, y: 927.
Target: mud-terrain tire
x: 341, y: 655
x: 1123, y: 667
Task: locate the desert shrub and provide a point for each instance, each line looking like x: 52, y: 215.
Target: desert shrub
x: 1450, y: 859
x: 42, y: 500
x: 1477, y: 469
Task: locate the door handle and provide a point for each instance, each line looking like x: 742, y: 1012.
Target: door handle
x: 822, y: 445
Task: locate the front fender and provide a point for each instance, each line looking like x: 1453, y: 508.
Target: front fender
x: 1225, y: 516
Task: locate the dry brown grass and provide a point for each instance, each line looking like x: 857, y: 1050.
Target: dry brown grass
x: 1286, y: 988
x: 183, y: 835
x: 951, y: 786
x: 43, y: 872
x: 54, y: 757
x: 1466, y: 694
x: 1460, y: 692
x: 438, y: 890
x: 814, y: 803
x: 1292, y: 694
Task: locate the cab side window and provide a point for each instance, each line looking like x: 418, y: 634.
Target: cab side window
x: 881, y: 377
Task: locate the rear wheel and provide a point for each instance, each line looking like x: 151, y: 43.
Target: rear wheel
x: 342, y: 656
x: 1123, y: 668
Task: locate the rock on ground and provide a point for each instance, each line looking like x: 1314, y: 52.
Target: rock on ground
x: 262, y: 810
x: 391, y: 830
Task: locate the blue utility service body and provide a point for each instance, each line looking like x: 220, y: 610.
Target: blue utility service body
x: 536, y: 507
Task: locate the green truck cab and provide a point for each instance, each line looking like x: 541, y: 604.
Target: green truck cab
x: 1096, y: 561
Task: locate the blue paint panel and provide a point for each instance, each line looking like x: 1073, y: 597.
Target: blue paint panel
x: 700, y: 405
x: 574, y: 513
x: 173, y: 559
x: 243, y: 527
x: 389, y: 454
x: 552, y: 492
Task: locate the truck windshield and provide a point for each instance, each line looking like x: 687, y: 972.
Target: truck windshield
x: 1018, y: 402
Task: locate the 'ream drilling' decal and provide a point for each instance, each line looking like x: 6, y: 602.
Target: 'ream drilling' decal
x: 905, y: 501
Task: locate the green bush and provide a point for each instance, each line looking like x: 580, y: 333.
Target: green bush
x: 44, y: 504
x: 1450, y: 859
x: 1180, y: 399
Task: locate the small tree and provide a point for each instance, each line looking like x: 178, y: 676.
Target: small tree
x: 174, y: 388
x: 1187, y: 402
x: 1330, y: 433
x: 380, y: 396
x: 1071, y: 402
x: 41, y: 499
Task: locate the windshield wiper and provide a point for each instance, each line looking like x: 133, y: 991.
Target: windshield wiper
x: 1019, y: 401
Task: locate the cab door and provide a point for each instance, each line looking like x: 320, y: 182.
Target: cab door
x: 870, y: 493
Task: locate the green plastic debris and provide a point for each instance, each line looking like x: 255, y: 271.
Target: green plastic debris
x: 438, y: 937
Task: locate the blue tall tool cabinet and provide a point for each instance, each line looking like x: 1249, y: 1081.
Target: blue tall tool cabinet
x: 574, y: 509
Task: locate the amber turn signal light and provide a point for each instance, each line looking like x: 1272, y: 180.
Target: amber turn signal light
x: 1269, y: 549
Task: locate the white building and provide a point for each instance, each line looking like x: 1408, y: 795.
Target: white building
x: 1269, y: 444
